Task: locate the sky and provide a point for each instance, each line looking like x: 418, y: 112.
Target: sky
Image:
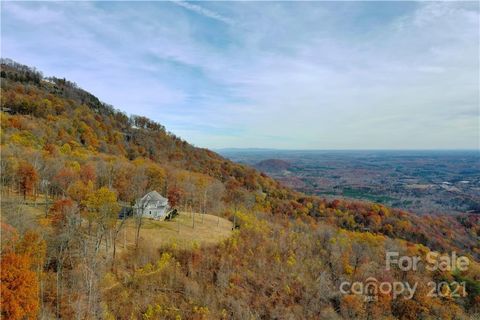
x: 287, y: 75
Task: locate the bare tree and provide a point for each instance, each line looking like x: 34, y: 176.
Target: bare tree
x: 116, y: 231
x: 45, y: 186
x: 214, y: 200
x: 138, y: 189
x: 140, y: 209
x: 235, y: 195
x: 68, y: 233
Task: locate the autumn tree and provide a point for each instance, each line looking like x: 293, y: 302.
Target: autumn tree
x: 8, y: 168
x: 174, y: 196
x: 28, y: 177
x: 64, y: 178
x: 156, y: 178
x: 234, y: 195
x: 88, y: 173
x: 65, y: 221
x: 60, y: 211
x: 21, y: 267
x: 19, y: 287
x: 214, y: 202
x: 138, y: 187
x: 123, y: 175
x: 103, y: 204
x: 80, y: 191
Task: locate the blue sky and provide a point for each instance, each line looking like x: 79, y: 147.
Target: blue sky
x: 295, y: 75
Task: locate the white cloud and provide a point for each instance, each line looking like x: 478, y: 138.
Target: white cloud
x: 204, y: 12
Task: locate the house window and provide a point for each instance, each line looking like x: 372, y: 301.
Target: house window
x: 150, y: 212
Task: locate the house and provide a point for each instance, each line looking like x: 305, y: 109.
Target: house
x: 152, y: 205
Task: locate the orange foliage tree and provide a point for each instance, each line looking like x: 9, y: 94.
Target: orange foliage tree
x: 27, y: 176
x: 19, y: 287
x: 174, y: 195
x: 19, y: 281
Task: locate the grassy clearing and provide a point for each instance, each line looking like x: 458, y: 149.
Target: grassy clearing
x: 180, y: 232
x: 21, y: 215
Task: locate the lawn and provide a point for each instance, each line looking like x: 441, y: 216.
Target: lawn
x: 180, y: 232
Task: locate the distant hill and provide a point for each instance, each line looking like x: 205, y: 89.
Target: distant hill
x: 273, y: 165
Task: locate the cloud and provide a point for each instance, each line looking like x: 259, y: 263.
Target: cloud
x: 41, y: 16
x: 204, y: 12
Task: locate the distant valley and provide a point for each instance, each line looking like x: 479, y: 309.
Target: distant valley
x: 419, y: 181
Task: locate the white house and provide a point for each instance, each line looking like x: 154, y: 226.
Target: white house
x: 152, y: 205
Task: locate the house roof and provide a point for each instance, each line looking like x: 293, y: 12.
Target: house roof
x: 154, y: 197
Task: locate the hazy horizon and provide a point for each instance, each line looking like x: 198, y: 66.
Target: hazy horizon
x: 293, y: 149
x: 302, y: 76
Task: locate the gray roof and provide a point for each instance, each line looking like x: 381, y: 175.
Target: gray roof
x: 155, y: 198
x: 154, y: 195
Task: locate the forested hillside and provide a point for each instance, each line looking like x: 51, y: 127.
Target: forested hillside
x: 79, y: 160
